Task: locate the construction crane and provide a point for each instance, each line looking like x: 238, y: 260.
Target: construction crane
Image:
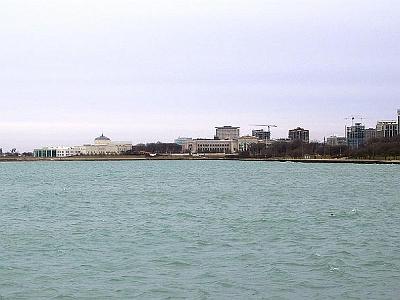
x: 265, y: 125
x: 268, y: 130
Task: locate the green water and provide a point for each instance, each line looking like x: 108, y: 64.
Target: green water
x: 199, y: 230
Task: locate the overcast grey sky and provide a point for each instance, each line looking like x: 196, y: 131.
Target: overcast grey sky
x: 154, y: 70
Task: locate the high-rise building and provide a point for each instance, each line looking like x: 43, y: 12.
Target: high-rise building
x: 227, y: 133
x: 386, y: 128
x: 261, y: 134
x: 299, y: 134
x: 355, y: 135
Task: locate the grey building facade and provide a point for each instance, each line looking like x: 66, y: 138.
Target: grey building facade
x: 227, y: 133
x: 355, y: 135
x: 336, y: 141
x: 370, y: 133
x: 261, y: 134
x: 299, y: 134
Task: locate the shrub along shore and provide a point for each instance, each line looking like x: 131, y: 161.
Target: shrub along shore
x: 375, y: 151
x: 189, y: 157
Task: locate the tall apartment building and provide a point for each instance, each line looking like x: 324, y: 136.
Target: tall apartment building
x: 227, y: 133
x: 261, y: 134
x: 355, y: 135
x: 299, y: 134
x: 387, y: 128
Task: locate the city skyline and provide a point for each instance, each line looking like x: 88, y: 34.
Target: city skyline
x: 380, y: 130
x: 149, y: 71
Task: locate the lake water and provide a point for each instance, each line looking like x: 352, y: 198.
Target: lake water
x: 199, y: 230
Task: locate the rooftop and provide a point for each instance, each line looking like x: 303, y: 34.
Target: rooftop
x: 102, y: 138
x: 227, y: 127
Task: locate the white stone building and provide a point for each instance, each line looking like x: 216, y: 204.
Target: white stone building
x: 104, y: 146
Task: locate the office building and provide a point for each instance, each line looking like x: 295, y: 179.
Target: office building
x: 299, y: 134
x: 227, y: 133
x: 355, y: 135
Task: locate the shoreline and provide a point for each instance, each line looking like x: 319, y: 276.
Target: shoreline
x: 169, y: 157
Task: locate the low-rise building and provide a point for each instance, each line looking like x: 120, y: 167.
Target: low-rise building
x: 102, y: 146
x: 244, y: 142
x: 182, y: 140
x: 210, y: 146
x: 58, y: 151
x: 336, y: 141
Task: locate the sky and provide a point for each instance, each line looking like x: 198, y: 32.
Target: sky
x: 149, y: 70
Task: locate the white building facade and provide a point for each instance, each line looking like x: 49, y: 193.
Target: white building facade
x: 386, y: 128
x: 210, y: 146
x: 245, y: 142
x: 334, y: 140
x: 59, y: 151
x: 102, y: 146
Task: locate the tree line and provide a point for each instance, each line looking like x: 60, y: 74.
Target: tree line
x: 377, y: 148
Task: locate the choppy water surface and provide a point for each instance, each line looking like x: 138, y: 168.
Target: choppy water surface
x: 199, y: 230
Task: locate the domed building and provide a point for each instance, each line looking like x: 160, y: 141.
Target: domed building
x: 102, y: 140
x: 102, y: 146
